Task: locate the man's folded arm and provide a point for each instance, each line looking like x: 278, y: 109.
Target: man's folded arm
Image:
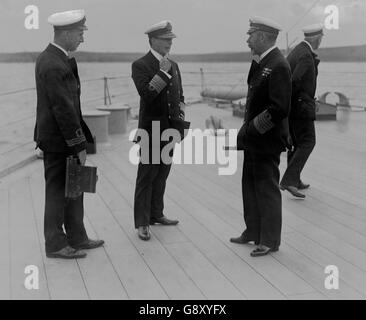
x: 147, y: 88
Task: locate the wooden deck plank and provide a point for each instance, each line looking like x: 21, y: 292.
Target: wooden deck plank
x: 314, y: 215
x: 335, y: 162
x: 251, y: 281
x: 300, y: 221
x: 350, y: 274
x: 308, y: 296
x: 21, y: 173
x: 329, y: 182
x: 327, y: 240
x: 169, y: 274
x: 313, y: 273
x: 127, y: 262
x: 63, y: 276
x: 240, y: 274
x: 335, y: 245
x: 336, y: 203
x: 208, y: 175
x: 232, y: 209
x: 334, y: 180
x: 276, y: 273
x: 135, y: 276
x: 354, y: 222
x: 329, y: 145
x: 24, y: 243
x: 5, y: 269
x: 165, y: 269
x: 178, y: 178
x: 100, y: 278
x: 168, y: 235
x: 341, y: 211
x: 205, y: 275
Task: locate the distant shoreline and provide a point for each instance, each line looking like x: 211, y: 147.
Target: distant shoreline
x: 335, y: 54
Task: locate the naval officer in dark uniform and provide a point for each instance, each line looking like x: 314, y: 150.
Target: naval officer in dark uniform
x: 158, y: 82
x: 263, y: 137
x: 304, y: 66
x: 60, y: 132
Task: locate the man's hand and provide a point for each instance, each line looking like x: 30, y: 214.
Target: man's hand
x: 82, y: 157
x: 290, y: 144
x: 165, y: 64
x: 182, y: 111
x: 182, y: 106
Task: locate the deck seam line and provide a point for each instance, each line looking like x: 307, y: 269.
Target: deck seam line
x: 129, y: 239
x: 106, y: 253
x: 199, y: 222
x: 316, y: 262
x: 38, y: 235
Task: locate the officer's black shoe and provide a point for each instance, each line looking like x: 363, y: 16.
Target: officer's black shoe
x: 243, y: 240
x: 89, y: 244
x: 144, y: 233
x: 262, y: 250
x: 66, y: 253
x: 164, y: 220
x: 293, y: 190
x: 303, y: 186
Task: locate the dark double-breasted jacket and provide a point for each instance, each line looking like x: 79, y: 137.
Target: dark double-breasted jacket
x: 304, y: 67
x: 160, y: 95
x: 59, y: 123
x: 265, y: 128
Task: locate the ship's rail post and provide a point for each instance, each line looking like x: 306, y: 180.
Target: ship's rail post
x: 106, y: 92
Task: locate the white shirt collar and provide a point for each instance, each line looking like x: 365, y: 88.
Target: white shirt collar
x: 265, y: 53
x: 59, y: 47
x: 311, y: 48
x: 157, y: 55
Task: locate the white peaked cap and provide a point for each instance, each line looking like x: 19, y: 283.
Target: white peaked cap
x: 68, y: 19
x: 313, y: 30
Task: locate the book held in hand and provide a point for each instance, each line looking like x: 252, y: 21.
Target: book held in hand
x: 79, y: 178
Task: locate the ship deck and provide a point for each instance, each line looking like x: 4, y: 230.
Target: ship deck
x: 195, y: 260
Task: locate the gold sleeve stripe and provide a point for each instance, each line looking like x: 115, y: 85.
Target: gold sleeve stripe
x: 75, y: 141
x: 157, y: 83
x: 262, y: 122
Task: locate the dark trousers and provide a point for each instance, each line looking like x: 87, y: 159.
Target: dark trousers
x: 262, y: 198
x: 60, y: 212
x: 149, y: 192
x: 303, y: 137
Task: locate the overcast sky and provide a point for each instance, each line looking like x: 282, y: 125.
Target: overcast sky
x: 202, y: 26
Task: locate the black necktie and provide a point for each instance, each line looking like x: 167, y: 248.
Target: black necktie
x: 171, y: 70
x: 74, y: 67
x: 253, y: 69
